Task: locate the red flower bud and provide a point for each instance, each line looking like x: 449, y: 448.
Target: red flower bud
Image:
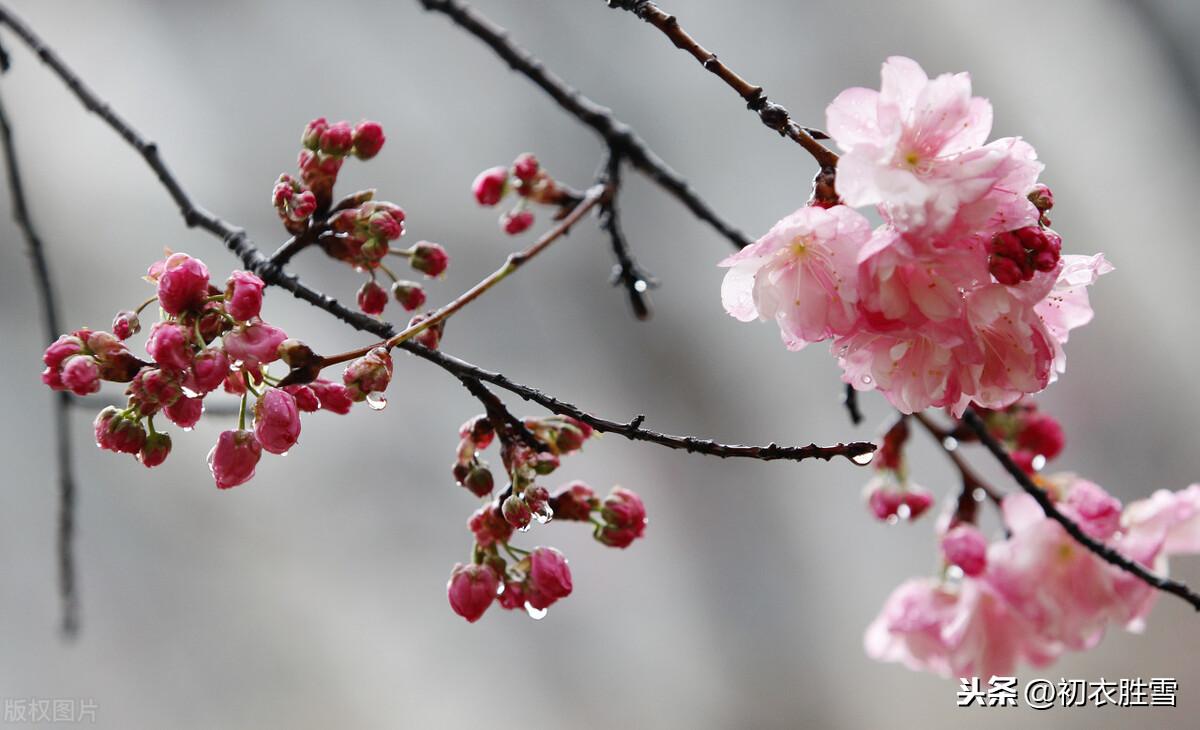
x: 490, y: 185
x: 244, y: 294
x: 525, y: 167
x: 372, y: 298
x: 155, y: 450
x: 471, y: 590
x: 276, y: 421
x: 410, y: 295
x: 368, y: 140
x: 516, y: 221
x: 429, y: 258
x: 233, y: 459
x: 126, y: 325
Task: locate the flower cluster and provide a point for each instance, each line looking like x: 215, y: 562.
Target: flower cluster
x: 1036, y: 592
x: 890, y: 494
x: 1032, y: 437
x: 534, y: 579
x: 206, y: 338
x: 358, y: 230
x: 529, y: 181
x: 962, y: 295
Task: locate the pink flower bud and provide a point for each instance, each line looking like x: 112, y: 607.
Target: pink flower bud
x: 244, y: 294
x: 126, y: 325
x: 525, y: 167
x: 276, y: 421
x: 544, y: 463
x: 61, y: 349
x: 489, y: 526
x: 334, y: 397
x: 431, y: 336
x: 1042, y: 434
x: 254, y: 343
x: 115, y: 432
x: 410, y: 295
x: 490, y: 185
x: 576, y: 502
x: 208, y: 371
x: 306, y: 399
x: 516, y: 511
x: 155, y: 450
x: 918, y: 500
x: 513, y: 596
x: 372, y: 297
x: 303, y: 205
x: 884, y: 502
x: 185, y: 412
x: 471, y: 590
x: 154, y: 388
x: 182, y: 283
x: 311, y: 138
x: 429, y: 258
x: 370, y: 373
x: 1041, y: 197
x: 549, y: 577
x: 81, y: 375
x: 384, y: 225
x: 624, y: 517
x: 1006, y: 271
x: 569, y: 438
x: 516, y: 221
x: 170, y: 345
x: 336, y: 139
x: 477, y: 479
x: 966, y: 547
x: 233, y: 459
x: 479, y: 431
x: 368, y: 140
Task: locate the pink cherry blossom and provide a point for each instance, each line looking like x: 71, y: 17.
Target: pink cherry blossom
x: 1066, y: 306
x: 276, y: 421
x: 208, y: 370
x: 1172, y: 516
x: 966, y: 547
x: 185, y: 412
x: 81, y: 375
x: 233, y: 459
x: 916, y: 149
x: 333, y: 396
x: 624, y: 516
x: 800, y: 274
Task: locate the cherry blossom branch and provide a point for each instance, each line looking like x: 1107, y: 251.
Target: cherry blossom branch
x: 239, y: 244
x: 594, y: 196
x: 773, y: 115
x: 970, y: 478
x: 618, y: 135
x: 67, y: 591
x: 626, y: 271
x: 1104, y: 552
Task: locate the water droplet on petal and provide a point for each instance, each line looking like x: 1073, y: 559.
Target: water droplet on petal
x: 1039, y: 461
x: 376, y: 400
x: 543, y: 514
x: 524, y: 529
x: 954, y: 572
x: 640, y: 285
x: 867, y: 380
x: 979, y: 494
x: 949, y: 443
x: 903, y: 512
x: 863, y: 459
x: 537, y: 614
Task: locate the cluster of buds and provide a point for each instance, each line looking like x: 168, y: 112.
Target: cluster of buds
x: 890, y: 494
x: 530, y: 182
x: 1032, y: 437
x: 362, y: 231
x: 206, y: 338
x: 532, y: 580
x: 1015, y: 256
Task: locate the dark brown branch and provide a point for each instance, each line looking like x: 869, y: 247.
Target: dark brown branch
x: 1104, y: 552
x: 971, y: 480
x: 850, y: 400
x: 771, y: 114
x: 616, y: 134
x: 67, y: 590
x: 626, y: 271
x: 508, y: 427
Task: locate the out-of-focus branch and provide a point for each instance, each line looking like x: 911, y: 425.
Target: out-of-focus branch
x: 67, y: 590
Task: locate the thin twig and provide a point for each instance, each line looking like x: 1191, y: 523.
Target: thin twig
x: 1104, y: 552
x: 626, y: 271
x: 970, y: 478
x: 616, y: 134
x: 773, y: 115
x: 850, y: 401
x: 67, y: 590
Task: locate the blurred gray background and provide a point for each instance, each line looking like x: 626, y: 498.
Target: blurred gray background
x: 313, y: 597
